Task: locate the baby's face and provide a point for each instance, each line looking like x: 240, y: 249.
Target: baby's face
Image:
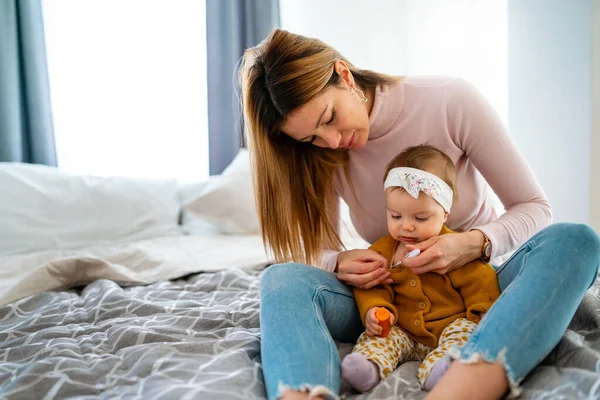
x: 413, y: 220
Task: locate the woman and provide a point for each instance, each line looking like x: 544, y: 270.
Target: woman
x: 319, y: 128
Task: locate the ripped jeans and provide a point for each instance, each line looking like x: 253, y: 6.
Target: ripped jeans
x: 303, y: 309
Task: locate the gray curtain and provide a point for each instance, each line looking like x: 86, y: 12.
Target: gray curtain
x: 26, y: 131
x: 232, y: 26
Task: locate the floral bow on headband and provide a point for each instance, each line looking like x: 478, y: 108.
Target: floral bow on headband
x: 415, y: 180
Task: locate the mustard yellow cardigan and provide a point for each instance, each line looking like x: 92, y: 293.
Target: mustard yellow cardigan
x: 425, y: 304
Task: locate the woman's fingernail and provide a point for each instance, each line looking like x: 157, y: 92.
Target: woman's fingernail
x: 390, y: 281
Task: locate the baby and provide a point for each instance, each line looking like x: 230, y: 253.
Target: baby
x: 430, y: 312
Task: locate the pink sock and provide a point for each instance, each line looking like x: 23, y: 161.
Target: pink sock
x: 361, y: 373
x: 438, y: 370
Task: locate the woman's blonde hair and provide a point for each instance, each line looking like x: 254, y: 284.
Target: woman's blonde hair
x: 293, y: 181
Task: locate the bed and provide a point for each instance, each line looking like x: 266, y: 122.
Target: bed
x: 135, y: 304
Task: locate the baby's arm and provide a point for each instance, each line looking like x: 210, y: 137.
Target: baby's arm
x: 478, y: 286
x: 379, y: 296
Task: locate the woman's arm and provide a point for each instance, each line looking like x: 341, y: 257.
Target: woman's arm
x: 361, y: 268
x: 476, y: 128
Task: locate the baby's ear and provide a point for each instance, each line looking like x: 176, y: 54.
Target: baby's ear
x: 445, y: 216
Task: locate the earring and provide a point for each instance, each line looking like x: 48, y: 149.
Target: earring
x: 359, y: 94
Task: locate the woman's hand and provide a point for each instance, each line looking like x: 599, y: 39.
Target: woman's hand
x: 372, y: 323
x: 362, y: 268
x: 444, y: 253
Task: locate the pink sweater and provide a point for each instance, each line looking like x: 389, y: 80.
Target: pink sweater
x: 453, y: 116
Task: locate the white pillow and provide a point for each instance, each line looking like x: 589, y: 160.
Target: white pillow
x: 192, y: 224
x: 226, y: 201
x: 43, y: 208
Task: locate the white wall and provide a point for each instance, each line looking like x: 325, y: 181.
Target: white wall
x: 371, y: 37
x: 595, y: 147
x: 465, y: 38
x: 550, y: 97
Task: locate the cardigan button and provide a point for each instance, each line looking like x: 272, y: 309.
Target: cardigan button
x: 413, y: 283
x: 417, y: 322
x: 422, y: 305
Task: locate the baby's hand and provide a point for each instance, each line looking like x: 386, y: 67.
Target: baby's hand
x: 372, y: 323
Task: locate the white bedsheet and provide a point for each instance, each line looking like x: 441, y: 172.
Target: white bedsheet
x: 136, y: 263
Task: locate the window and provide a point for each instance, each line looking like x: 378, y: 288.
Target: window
x: 128, y: 87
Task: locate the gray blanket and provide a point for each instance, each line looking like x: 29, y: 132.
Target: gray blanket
x: 199, y: 338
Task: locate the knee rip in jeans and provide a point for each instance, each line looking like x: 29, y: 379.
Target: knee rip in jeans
x: 313, y: 392
x: 477, y: 358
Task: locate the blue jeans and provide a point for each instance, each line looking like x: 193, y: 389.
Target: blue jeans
x: 303, y: 309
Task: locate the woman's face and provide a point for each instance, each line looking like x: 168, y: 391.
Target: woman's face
x: 336, y: 119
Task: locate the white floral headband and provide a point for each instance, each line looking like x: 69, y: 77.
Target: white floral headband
x: 415, y: 180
